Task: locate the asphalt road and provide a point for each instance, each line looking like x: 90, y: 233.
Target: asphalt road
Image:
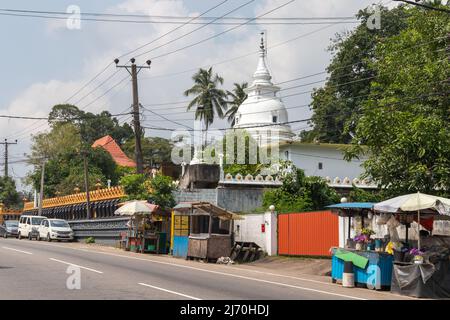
x: 38, y: 270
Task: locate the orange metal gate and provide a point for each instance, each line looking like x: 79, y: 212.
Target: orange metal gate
x: 307, y: 233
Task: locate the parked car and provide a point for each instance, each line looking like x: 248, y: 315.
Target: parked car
x: 29, y: 226
x: 55, y: 229
x: 9, y: 228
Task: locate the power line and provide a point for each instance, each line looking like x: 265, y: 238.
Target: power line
x: 290, y: 95
x: 173, y: 30
x: 302, y: 120
x: 220, y: 33
x: 110, y: 63
x: 81, y: 18
x: 196, y: 29
x: 423, y: 5
x: 170, y: 17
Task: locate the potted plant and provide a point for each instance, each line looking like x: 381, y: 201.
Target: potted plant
x: 360, y: 241
x: 417, y: 255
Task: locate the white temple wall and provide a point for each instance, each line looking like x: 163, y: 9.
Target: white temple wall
x: 309, y: 157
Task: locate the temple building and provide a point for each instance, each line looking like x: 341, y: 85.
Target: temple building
x: 264, y: 116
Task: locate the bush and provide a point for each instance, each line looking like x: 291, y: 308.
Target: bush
x: 300, y: 193
x: 90, y: 240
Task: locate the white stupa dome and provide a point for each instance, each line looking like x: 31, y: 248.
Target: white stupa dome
x: 263, y: 114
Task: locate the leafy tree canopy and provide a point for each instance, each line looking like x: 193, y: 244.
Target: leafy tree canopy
x: 64, y: 169
x: 91, y: 126
x: 155, y: 150
x: 405, y: 120
x: 9, y: 196
x: 336, y: 106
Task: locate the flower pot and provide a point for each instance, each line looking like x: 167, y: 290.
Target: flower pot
x: 418, y: 259
x: 359, y: 246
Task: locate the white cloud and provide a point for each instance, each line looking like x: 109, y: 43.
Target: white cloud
x: 105, y: 41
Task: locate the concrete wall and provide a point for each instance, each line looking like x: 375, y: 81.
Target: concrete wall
x: 308, y: 157
x: 209, y: 195
x: 234, y: 199
x: 249, y: 230
x: 240, y: 199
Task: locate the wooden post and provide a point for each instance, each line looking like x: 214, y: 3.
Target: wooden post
x: 210, y: 224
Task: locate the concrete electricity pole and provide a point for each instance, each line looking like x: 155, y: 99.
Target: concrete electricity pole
x: 41, y: 193
x: 6, y: 143
x: 86, y: 185
x: 133, y: 70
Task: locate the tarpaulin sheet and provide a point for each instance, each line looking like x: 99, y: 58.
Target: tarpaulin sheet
x: 422, y: 280
x: 356, y: 259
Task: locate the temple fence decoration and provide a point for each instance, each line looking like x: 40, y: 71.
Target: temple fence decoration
x: 77, y: 198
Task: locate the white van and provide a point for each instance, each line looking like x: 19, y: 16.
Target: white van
x: 55, y: 229
x: 29, y: 226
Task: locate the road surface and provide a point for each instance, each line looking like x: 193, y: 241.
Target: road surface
x: 39, y: 270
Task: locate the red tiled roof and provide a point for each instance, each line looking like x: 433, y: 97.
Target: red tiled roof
x: 114, y: 150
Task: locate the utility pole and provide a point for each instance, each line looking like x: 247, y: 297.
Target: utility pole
x: 41, y: 193
x: 133, y: 70
x: 86, y: 185
x: 6, y: 143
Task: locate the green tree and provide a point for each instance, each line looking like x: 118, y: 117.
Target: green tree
x: 237, y: 96
x: 155, y: 150
x: 405, y: 120
x: 9, y: 196
x: 135, y: 187
x: 64, y: 164
x: 300, y: 193
x: 209, y: 99
x: 162, y: 192
x: 336, y: 106
x: 90, y: 126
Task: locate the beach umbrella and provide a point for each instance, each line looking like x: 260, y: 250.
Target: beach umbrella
x: 415, y: 202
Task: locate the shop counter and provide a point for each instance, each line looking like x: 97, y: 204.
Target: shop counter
x: 377, y: 274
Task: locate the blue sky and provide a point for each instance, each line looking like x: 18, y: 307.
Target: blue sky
x: 44, y: 63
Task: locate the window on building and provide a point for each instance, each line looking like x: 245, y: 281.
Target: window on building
x: 320, y: 165
x: 274, y: 119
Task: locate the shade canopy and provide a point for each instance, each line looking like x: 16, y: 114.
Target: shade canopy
x: 136, y: 207
x: 205, y: 208
x: 350, y: 209
x: 415, y: 202
x: 352, y: 205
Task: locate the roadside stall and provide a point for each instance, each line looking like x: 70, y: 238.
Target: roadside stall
x: 422, y: 271
x: 372, y: 267
x: 147, y: 227
x: 202, y: 230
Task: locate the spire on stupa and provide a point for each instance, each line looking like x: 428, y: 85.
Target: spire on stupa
x: 262, y: 74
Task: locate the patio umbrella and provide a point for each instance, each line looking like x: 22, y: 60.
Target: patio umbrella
x: 136, y: 207
x: 419, y: 202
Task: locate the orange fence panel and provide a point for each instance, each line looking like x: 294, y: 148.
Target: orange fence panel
x: 307, y: 233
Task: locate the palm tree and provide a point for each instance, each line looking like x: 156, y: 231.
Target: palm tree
x: 237, y: 96
x: 209, y: 99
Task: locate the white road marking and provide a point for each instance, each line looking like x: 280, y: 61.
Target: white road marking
x: 232, y: 275
x: 73, y: 264
x: 169, y: 291
x: 26, y: 252
x: 214, y: 272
